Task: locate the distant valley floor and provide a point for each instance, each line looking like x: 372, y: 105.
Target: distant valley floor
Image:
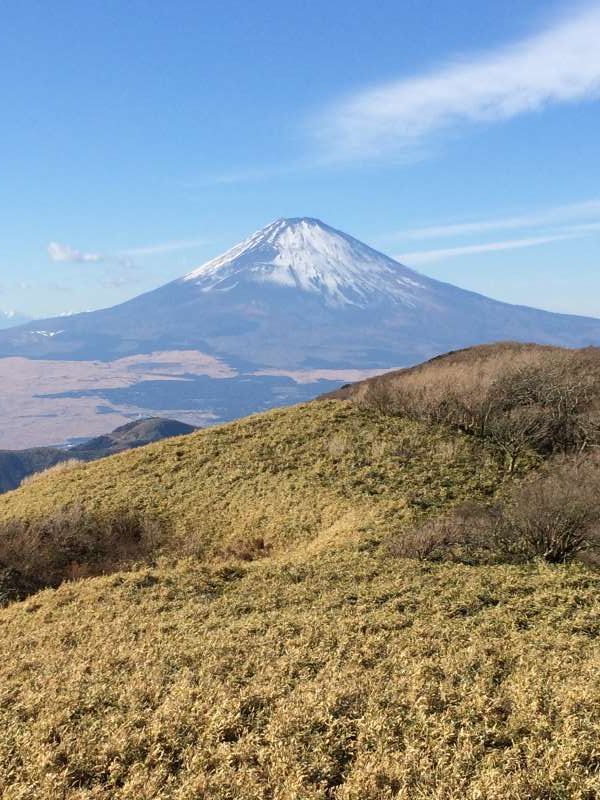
x: 51, y: 402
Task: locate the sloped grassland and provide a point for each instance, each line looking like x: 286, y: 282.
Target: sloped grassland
x: 315, y: 665
x: 293, y: 476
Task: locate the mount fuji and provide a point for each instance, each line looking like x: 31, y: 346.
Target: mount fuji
x: 298, y: 294
x: 296, y: 303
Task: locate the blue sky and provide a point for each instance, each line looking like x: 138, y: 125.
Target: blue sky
x: 139, y: 139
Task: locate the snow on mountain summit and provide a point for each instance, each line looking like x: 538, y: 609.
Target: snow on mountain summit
x: 307, y: 255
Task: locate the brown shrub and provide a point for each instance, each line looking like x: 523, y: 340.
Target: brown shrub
x: 429, y: 542
x: 555, y: 517
x: 462, y: 535
x: 72, y: 544
x: 554, y: 401
x: 521, y: 401
x: 382, y: 397
x: 515, y: 432
x: 15, y: 586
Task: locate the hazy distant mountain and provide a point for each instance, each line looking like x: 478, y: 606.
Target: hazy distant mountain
x: 10, y: 319
x: 18, y: 464
x: 298, y: 294
x: 286, y: 314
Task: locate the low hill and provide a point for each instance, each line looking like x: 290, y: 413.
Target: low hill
x: 276, y: 645
x: 292, y: 475
x: 133, y: 434
x: 474, y: 367
x: 15, y: 465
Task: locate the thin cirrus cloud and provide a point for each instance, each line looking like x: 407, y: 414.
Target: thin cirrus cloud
x: 421, y: 257
x: 165, y: 247
x: 586, y: 214
x: 67, y: 254
x: 560, y: 64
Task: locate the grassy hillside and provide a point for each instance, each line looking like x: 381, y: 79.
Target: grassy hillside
x: 279, y: 650
x: 291, y: 476
x: 474, y: 367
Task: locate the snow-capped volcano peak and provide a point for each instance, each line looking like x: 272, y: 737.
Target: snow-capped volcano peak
x: 305, y: 254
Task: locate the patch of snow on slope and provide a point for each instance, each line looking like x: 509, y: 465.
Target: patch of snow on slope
x: 309, y: 256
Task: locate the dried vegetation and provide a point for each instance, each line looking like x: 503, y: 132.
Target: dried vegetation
x: 339, y: 601
x: 521, y: 400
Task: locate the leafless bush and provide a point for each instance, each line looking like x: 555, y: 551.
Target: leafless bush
x: 15, y: 586
x: 429, y: 542
x: 382, y: 397
x: 73, y: 544
x: 461, y: 535
x: 555, y: 517
x: 515, y: 432
x: 555, y: 402
x: 543, y: 402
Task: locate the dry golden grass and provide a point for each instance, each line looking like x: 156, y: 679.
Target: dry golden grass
x: 348, y: 676
x: 469, y: 374
x: 293, y: 658
x: 62, y: 466
x: 290, y: 476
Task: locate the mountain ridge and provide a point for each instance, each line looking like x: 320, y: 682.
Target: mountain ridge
x: 299, y: 293
x: 12, y: 319
x: 294, y: 299
x: 311, y: 256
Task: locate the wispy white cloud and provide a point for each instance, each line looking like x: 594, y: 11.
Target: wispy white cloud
x: 420, y: 257
x: 256, y: 174
x: 588, y: 227
x: 164, y: 247
x: 66, y: 253
x: 558, y: 65
x: 575, y: 212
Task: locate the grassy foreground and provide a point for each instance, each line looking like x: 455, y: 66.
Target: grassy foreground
x: 349, y: 675
x: 322, y: 667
